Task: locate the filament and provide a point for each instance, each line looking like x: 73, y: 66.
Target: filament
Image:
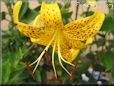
x: 43, y: 52
x: 53, y: 59
x: 59, y: 57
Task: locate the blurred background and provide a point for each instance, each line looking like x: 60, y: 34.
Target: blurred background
x: 95, y: 64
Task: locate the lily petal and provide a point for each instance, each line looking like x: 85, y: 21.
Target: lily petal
x: 74, y: 53
x: 89, y: 41
x: 44, y: 37
x: 36, y: 22
x: 84, y: 28
x: 51, y: 15
x: 35, y: 33
x: 16, y: 10
x: 72, y: 50
x: 43, y: 40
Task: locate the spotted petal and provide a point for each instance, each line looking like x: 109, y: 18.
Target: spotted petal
x: 70, y: 48
x: 37, y: 34
x: 84, y: 28
x: 51, y: 15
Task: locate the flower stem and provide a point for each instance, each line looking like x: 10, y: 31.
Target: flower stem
x: 77, y: 7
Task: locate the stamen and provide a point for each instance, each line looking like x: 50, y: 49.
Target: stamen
x: 66, y: 61
x: 59, y: 56
x: 41, y: 55
x: 74, y: 69
x: 29, y: 70
x: 71, y: 76
x: 62, y: 65
x: 47, y: 56
x: 53, y: 60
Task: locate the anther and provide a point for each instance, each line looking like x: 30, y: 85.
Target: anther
x: 30, y: 70
x: 47, y: 56
x: 71, y: 76
x: 74, y: 69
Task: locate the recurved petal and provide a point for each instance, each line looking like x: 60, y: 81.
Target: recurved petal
x: 16, y: 10
x: 50, y: 15
x: 89, y: 41
x: 44, y: 38
x: 68, y: 51
x: 37, y: 21
x: 74, y: 53
x: 84, y: 28
x: 37, y: 35
x: 29, y: 31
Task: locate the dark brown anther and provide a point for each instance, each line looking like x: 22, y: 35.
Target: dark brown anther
x: 47, y: 56
x: 30, y: 70
x: 71, y: 76
x: 74, y: 69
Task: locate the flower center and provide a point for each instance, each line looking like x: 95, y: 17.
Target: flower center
x: 56, y: 40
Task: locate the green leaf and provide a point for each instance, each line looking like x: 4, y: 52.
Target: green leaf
x: 67, y: 4
x: 60, y: 5
x: 111, y: 43
x: 91, y: 56
x: 37, y: 8
x: 113, y: 72
x: 24, y: 8
x: 2, y: 15
x: 100, y: 42
x: 107, y: 58
x: 82, y: 67
x: 108, y: 23
x: 66, y: 14
x: 88, y: 13
x: 29, y: 16
x: 16, y: 79
x: 110, y: 5
x: 39, y: 1
x: 38, y: 75
x: 47, y: 1
x: 6, y: 71
x: 65, y: 20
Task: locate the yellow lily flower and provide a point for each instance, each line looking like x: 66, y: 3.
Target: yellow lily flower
x: 66, y: 40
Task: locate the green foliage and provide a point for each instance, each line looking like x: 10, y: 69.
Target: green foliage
x: 47, y: 1
x: 113, y: 72
x: 66, y: 14
x: 107, y: 58
x: 24, y: 9
x: 2, y: 15
x: 108, y: 23
x: 29, y: 16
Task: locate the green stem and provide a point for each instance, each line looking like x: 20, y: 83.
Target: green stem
x: 77, y: 8
x: 28, y: 50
